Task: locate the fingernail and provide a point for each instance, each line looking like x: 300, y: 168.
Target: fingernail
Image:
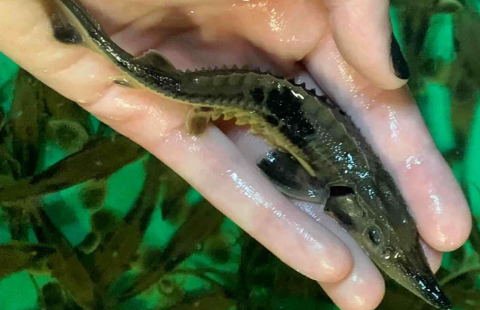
x: 399, y: 63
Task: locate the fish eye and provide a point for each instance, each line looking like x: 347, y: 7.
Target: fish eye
x: 375, y: 235
x: 338, y: 191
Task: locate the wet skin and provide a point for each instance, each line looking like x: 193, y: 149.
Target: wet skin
x: 449, y: 241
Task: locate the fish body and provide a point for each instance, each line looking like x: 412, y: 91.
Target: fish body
x: 317, y: 134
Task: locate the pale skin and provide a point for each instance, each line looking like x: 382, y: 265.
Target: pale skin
x: 343, y: 45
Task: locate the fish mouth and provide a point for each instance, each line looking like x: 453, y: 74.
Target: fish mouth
x: 427, y: 287
x: 417, y: 277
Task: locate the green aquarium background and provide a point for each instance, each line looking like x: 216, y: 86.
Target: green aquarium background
x: 193, y: 256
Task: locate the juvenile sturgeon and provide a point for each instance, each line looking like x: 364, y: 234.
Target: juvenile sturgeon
x: 314, y: 131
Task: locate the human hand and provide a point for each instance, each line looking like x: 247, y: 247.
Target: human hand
x: 221, y: 165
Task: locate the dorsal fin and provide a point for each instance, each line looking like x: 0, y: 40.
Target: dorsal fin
x: 154, y: 59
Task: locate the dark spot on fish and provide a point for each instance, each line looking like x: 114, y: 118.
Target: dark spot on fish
x: 271, y: 120
x: 288, y: 108
x: 206, y: 109
x: 258, y: 95
x: 337, y: 191
x: 65, y: 32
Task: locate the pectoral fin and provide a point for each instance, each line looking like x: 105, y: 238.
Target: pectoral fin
x: 290, y: 178
x: 197, y: 120
x: 64, y: 30
x: 155, y: 60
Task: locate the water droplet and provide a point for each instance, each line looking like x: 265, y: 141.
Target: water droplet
x: 387, y: 254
